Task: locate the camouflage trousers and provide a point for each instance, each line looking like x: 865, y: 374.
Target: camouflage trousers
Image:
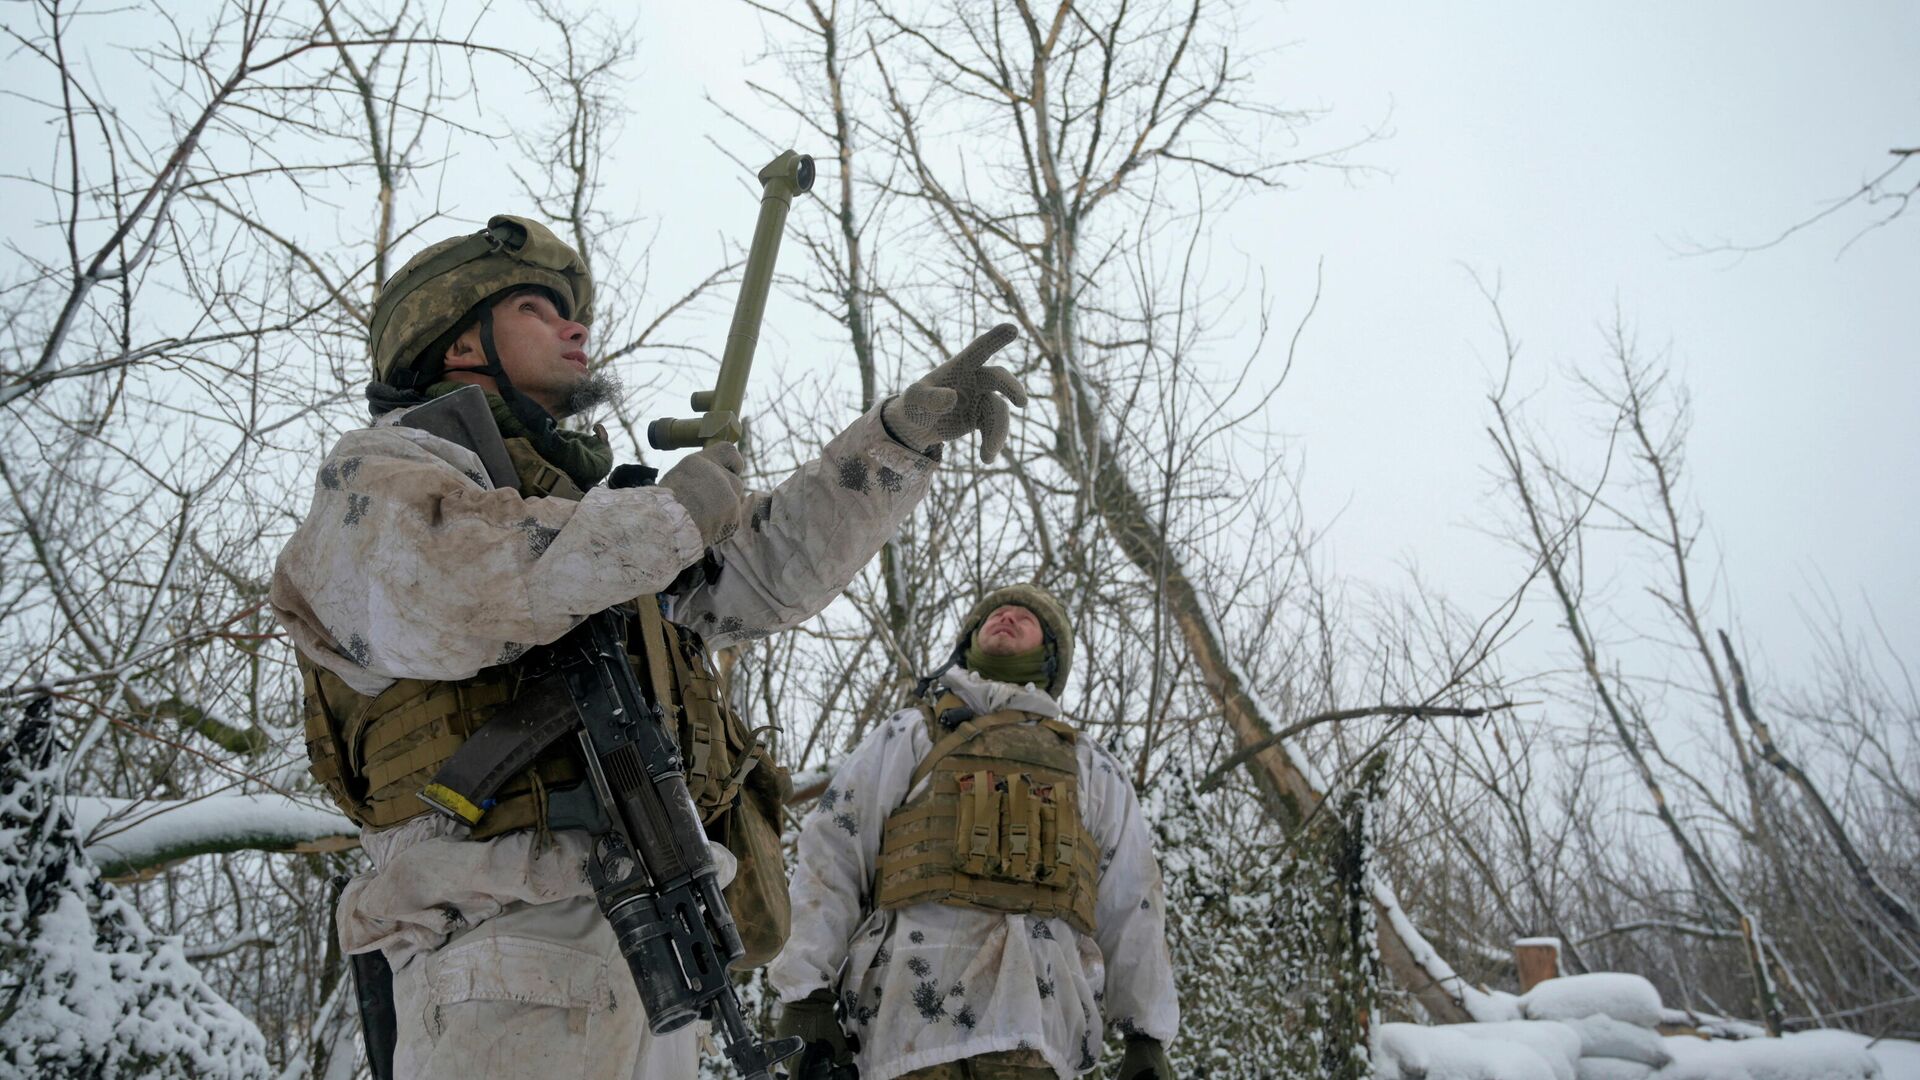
x: 1005, y: 1065
x: 538, y: 992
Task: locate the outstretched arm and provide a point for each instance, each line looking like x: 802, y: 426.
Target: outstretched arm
x: 799, y: 545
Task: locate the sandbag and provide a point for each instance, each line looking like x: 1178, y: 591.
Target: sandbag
x: 1604, y: 1068
x: 1605, y: 1037
x: 1557, y: 1044
x: 1624, y: 997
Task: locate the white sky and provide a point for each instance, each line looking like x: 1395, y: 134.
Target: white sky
x: 1573, y: 154
x: 1572, y: 151
x: 1569, y: 150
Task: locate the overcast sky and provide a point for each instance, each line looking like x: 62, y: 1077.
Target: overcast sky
x: 1573, y: 151
x: 1574, y: 155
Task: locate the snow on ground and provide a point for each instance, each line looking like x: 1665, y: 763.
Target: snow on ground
x: 1601, y: 1027
x: 122, y: 833
x: 1806, y: 1055
x: 1899, y: 1058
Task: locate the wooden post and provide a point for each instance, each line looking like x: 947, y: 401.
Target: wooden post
x: 1537, y: 958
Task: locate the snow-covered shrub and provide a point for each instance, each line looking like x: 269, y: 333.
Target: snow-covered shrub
x: 1272, y: 935
x: 87, y: 989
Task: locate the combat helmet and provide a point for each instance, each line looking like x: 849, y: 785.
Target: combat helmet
x: 1055, y: 628
x: 433, y: 293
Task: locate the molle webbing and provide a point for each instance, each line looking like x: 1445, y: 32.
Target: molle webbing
x: 672, y: 663
x: 373, y: 755
x: 538, y: 475
x: 998, y: 827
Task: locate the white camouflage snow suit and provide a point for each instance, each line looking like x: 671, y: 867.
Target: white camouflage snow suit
x: 409, y: 565
x: 932, y: 983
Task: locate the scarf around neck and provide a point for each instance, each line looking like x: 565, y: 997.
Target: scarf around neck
x: 584, y: 456
x: 1016, y: 670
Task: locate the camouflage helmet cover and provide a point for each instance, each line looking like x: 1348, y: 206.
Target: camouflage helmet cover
x: 437, y: 288
x: 1051, y: 613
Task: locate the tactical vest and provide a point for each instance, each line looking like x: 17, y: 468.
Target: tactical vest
x: 998, y: 827
x: 375, y: 754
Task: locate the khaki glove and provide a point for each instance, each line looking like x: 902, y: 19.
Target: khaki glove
x: 707, y: 482
x: 1145, y: 1059
x: 812, y: 1019
x: 959, y: 396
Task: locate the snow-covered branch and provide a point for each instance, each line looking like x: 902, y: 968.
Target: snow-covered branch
x: 257, y: 937
x: 125, y: 837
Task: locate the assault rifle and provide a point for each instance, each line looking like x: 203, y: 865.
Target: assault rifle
x: 651, y: 869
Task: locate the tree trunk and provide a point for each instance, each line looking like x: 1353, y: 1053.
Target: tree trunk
x: 1289, y: 793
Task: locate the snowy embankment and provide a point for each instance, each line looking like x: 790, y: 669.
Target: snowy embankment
x: 1603, y: 1027
x: 125, y: 836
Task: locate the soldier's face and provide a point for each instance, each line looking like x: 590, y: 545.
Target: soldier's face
x: 1009, y: 630
x: 544, y: 352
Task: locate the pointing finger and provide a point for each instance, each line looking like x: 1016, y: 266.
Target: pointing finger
x: 986, y: 345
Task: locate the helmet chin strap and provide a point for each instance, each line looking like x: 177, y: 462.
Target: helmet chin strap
x: 545, y: 431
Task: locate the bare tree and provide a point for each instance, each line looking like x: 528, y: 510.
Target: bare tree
x: 1758, y: 859
x: 1059, y: 169
x: 1883, y: 196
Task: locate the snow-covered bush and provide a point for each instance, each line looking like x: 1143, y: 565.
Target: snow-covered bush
x: 88, y: 990
x: 1272, y: 935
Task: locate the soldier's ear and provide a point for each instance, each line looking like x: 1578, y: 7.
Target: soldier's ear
x: 464, y: 351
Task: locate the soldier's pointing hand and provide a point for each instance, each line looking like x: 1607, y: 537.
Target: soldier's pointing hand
x: 961, y: 395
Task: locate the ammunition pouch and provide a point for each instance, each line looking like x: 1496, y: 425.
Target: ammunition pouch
x: 998, y: 827
x: 375, y: 756
x: 733, y: 779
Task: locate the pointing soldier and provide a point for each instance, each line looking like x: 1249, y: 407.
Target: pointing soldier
x: 416, y: 592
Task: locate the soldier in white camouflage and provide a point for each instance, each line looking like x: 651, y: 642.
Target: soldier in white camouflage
x: 977, y: 896
x: 414, y: 591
